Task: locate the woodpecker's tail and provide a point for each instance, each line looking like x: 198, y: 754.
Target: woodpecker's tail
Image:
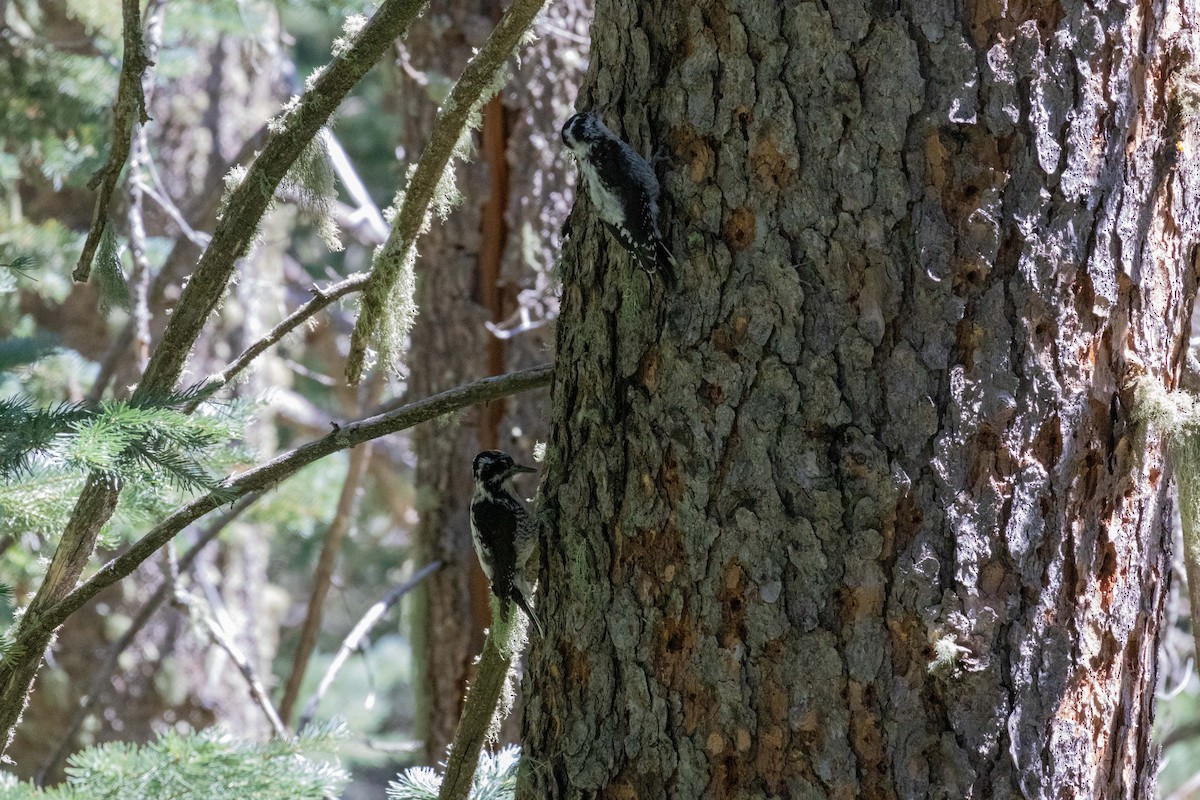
x: 666, y: 264
x: 519, y: 599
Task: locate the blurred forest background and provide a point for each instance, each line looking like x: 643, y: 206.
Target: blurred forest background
x: 177, y: 647
x: 291, y: 572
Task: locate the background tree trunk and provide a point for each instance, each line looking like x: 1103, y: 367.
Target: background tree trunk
x: 491, y: 257
x: 858, y: 512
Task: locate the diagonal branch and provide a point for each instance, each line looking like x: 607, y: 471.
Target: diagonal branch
x: 335, y: 535
x: 269, y: 474
x: 128, y: 110
x: 219, y: 633
x: 476, y: 719
x: 355, y: 637
x: 477, y: 84
x: 322, y: 298
x: 102, y: 674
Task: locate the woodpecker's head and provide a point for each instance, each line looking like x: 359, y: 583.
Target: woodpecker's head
x: 583, y: 130
x: 493, y: 468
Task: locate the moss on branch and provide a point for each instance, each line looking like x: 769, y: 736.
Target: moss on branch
x: 383, y: 318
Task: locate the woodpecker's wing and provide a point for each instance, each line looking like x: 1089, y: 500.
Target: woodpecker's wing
x: 626, y: 176
x: 496, y: 525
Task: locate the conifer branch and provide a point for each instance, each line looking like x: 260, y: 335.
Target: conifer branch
x: 102, y: 674
x: 477, y: 84
x: 231, y: 239
x: 268, y: 475
x: 128, y: 110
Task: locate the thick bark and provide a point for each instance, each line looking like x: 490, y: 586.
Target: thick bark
x: 493, y: 254
x: 857, y: 512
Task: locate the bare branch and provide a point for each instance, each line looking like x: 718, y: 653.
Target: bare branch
x: 158, y: 193
x: 219, y: 634
x: 137, y: 164
x: 128, y: 110
x: 478, y: 82
x: 359, y: 632
x: 322, y: 298
x: 268, y: 475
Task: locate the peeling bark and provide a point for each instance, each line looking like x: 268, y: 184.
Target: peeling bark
x: 858, y: 512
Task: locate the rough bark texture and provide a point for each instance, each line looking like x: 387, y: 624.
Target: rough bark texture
x: 491, y: 256
x: 857, y: 513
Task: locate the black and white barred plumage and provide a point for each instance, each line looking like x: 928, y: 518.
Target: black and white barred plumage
x: 504, y: 533
x: 623, y: 188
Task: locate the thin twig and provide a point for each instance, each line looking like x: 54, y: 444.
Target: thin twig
x: 270, y: 474
x: 102, y: 674
x: 222, y: 638
x: 476, y: 85
x: 137, y: 164
x: 355, y: 637
x: 321, y: 299
x: 158, y: 193
x: 128, y: 110
x: 360, y: 458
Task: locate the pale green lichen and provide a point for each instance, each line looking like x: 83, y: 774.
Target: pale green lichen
x: 1176, y: 416
x: 279, y: 122
x: 108, y: 275
x: 351, y: 28
x: 312, y: 184
x: 947, y: 655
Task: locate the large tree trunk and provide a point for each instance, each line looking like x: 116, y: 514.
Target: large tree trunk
x: 492, y: 256
x: 858, y: 512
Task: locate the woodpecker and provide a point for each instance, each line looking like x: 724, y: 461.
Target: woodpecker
x: 504, y: 533
x: 623, y: 188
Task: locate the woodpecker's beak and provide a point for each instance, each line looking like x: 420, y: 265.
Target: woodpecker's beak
x: 518, y: 468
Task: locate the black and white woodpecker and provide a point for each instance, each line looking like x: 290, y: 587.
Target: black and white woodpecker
x: 504, y: 533
x: 624, y: 190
